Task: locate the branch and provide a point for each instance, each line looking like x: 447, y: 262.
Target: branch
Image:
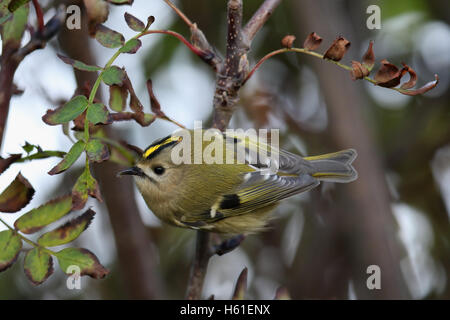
x: 199, y: 266
x: 11, y: 58
x: 230, y: 76
x: 259, y: 18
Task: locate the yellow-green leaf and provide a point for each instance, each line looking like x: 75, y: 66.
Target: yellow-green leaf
x: 12, y: 30
x: 109, y: 38
x: 83, y: 259
x: 134, y: 23
x: 69, y: 159
x: 98, y: 113
x: 67, y: 232
x: 131, y: 46
x: 42, y: 216
x: 67, y: 112
x: 10, y: 245
x: 78, y: 64
x: 85, y: 186
x: 17, y: 195
x: 113, y: 76
x: 97, y: 151
x: 118, y: 98
x: 38, y: 265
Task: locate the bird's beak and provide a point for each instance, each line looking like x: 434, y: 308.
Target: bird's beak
x: 133, y: 171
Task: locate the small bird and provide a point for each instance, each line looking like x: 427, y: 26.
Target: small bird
x: 228, y: 198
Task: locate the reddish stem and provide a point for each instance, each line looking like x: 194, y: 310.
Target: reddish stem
x: 194, y: 49
x: 267, y: 56
x: 39, y: 15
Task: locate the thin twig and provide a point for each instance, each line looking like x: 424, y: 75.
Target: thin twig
x: 259, y: 18
x: 179, y: 13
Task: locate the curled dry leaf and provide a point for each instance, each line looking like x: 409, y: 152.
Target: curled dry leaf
x: 85, y: 186
x: 389, y: 75
x: 427, y: 87
x: 97, y: 12
x: 17, y: 195
x: 288, y: 41
x: 412, y: 77
x: 337, y: 49
x: 369, y: 57
x: 359, y: 71
x: 312, y: 41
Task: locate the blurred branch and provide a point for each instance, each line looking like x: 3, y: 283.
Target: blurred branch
x: 230, y: 76
x: 12, y: 57
x: 259, y: 18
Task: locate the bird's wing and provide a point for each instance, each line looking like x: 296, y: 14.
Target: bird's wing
x: 263, y: 155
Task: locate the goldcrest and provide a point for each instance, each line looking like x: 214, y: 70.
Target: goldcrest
x: 234, y: 193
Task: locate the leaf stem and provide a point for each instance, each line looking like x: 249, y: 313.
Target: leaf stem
x: 30, y: 242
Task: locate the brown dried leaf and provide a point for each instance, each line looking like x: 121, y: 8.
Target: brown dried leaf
x: 388, y: 75
x: 337, y: 49
x: 5, y: 163
x: 412, y: 77
x: 427, y: 87
x: 369, y: 57
x: 17, y: 195
x: 359, y: 71
x: 312, y: 41
x: 154, y: 103
x: 288, y: 41
x: 97, y: 12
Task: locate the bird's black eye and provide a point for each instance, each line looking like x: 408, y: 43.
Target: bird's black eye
x: 158, y: 170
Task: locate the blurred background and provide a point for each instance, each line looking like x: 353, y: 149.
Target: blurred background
x: 396, y: 215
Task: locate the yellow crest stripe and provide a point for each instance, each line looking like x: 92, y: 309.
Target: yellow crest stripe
x: 150, y: 150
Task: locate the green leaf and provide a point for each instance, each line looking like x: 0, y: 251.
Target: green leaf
x: 85, y: 186
x: 67, y: 112
x: 131, y: 46
x: 10, y: 246
x: 28, y: 147
x: 109, y: 38
x: 16, y: 4
x: 70, y: 158
x: 97, y: 151
x: 12, y: 30
x: 98, y: 113
x: 78, y: 64
x: 113, y: 76
x: 17, y: 195
x: 134, y: 23
x: 117, y: 97
x: 38, y: 265
x: 67, y: 232
x: 84, y: 259
x: 42, y: 216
